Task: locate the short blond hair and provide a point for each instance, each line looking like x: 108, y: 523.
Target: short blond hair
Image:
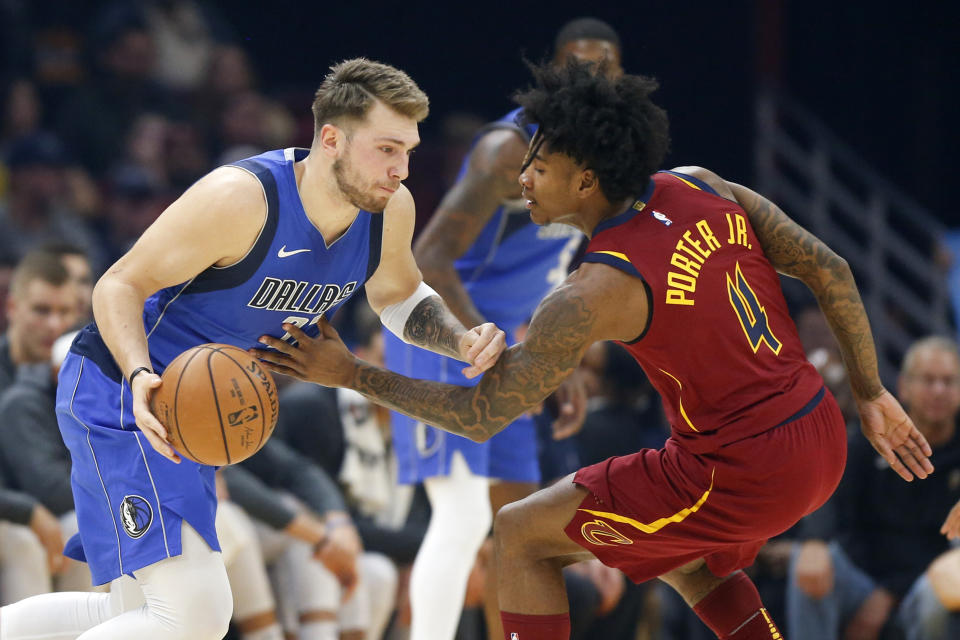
x: 352, y: 86
x: 38, y: 264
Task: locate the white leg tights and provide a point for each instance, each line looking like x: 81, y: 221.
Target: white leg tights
x: 187, y: 598
x: 459, y: 524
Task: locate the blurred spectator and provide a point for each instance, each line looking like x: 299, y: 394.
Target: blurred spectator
x: 34, y: 459
x: 38, y: 207
x: 823, y: 352
x: 623, y: 415
x: 22, y: 111
x: 134, y: 199
x: 41, y: 307
x: 862, y: 551
x: 6, y: 274
x: 251, y: 123
x: 80, y: 270
x: 31, y: 546
x: 185, y: 33
x: 96, y: 118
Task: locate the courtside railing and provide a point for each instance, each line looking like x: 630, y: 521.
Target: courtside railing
x: 891, y: 242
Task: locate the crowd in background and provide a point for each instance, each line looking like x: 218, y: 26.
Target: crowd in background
x: 101, y: 128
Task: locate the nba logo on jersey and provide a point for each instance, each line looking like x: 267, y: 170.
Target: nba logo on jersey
x: 514, y: 636
x: 662, y: 218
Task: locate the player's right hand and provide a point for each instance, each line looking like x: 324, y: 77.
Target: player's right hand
x: 814, y: 569
x: 142, y: 388
x: 47, y: 529
x: 892, y: 433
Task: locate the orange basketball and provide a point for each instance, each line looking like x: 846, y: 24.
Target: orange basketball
x: 218, y: 403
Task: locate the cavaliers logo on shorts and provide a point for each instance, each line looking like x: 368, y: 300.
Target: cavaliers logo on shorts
x: 136, y: 514
x: 600, y: 533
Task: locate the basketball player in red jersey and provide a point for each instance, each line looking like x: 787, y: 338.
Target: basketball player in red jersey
x: 682, y: 269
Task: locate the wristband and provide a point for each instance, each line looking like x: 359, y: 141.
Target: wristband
x: 135, y: 372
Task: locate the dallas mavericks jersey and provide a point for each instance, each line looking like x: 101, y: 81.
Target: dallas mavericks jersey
x: 514, y: 263
x: 289, y: 275
x: 130, y: 500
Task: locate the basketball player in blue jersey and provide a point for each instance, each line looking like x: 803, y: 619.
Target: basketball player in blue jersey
x: 482, y: 253
x: 281, y: 238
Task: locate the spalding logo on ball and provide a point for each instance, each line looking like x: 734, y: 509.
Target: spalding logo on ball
x: 218, y: 404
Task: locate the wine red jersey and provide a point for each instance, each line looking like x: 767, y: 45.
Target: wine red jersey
x: 719, y: 346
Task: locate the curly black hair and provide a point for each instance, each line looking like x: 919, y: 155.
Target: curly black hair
x: 608, y: 125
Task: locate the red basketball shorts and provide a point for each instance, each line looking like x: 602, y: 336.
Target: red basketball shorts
x: 653, y: 511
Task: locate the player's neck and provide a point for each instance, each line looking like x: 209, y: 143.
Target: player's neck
x: 322, y: 200
x: 598, y: 209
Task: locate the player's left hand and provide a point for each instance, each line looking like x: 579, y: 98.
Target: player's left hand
x: 951, y: 526
x: 481, y: 347
x: 323, y: 360
x: 571, y: 397
x: 892, y: 433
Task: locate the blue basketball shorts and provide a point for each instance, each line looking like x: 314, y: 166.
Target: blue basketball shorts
x: 130, y: 500
x: 424, y: 451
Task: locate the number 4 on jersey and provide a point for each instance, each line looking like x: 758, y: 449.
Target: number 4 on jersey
x: 752, y: 316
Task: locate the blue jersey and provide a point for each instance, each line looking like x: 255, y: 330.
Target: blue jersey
x: 514, y: 263
x: 131, y: 502
x: 508, y: 269
x: 289, y: 275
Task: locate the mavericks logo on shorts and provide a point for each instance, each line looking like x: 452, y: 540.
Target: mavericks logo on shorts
x: 136, y: 514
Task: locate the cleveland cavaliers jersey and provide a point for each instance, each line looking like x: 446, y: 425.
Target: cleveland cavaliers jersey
x: 514, y: 263
x: 719, y: 346
x: 291, y: 274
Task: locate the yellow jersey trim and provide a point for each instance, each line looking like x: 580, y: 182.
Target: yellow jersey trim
x: 686, y: 182
x: 656, y: 525
x: 683, y: 412
x: 616, y: 254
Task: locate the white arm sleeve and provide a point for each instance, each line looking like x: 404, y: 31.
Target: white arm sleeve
x: 394, y: 317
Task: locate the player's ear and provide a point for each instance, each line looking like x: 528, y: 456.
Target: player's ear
x: 588, y: 183
x: 331, y: 139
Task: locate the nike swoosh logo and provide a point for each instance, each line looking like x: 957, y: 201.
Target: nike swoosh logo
x: 283, y: 253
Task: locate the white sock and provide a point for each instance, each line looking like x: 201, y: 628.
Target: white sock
x: 459, y: 524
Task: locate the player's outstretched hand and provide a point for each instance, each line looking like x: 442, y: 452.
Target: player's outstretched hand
x: 951, y: 526
x: 323, y: 360
x: 892, y: 433
x: 481, y: 347
x: 571, y: 398
x: 142, y: 388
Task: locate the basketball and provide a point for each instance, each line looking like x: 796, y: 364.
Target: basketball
x: 218, y: 404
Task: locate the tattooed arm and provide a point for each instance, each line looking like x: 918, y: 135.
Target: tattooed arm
x: 430, y: 324
x: 490, y: 178
x: 795, y: 252
x: 596, y: 303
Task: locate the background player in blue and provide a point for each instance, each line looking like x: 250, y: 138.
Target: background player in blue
x: 490, y: 263
x: 273, y: 241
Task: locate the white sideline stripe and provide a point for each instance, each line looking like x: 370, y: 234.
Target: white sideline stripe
x: 96, y: 464
x: 156, y: 496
